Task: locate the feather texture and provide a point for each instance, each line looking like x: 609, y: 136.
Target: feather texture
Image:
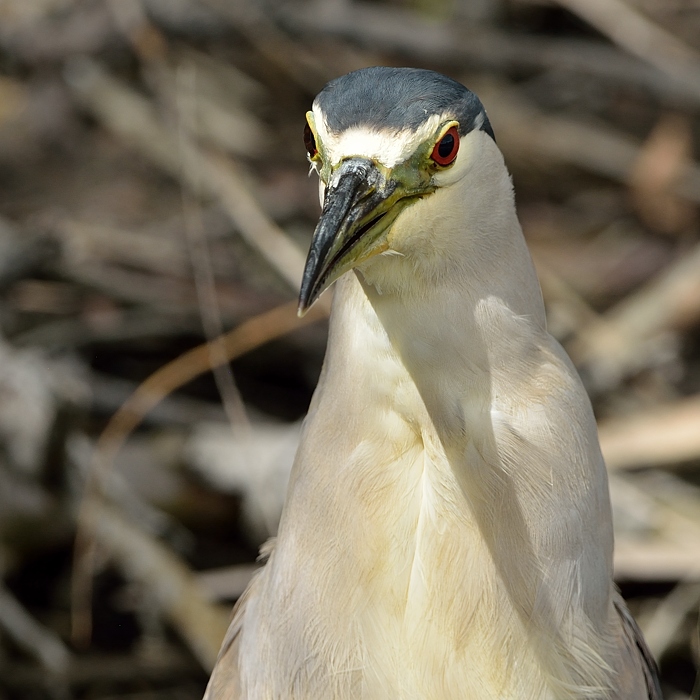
x: 447, y: 531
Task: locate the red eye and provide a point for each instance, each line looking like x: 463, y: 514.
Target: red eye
x: 446, y: 148
x: 309, y: 141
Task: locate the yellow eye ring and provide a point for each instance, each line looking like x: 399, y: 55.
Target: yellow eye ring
x: 446, y: 148
x: 310, y: 142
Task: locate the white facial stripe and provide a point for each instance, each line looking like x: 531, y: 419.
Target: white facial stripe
x: 384, y: 146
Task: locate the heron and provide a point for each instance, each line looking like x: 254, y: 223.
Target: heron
x: 447, y: 530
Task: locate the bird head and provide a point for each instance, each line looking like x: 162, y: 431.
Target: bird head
x: 381, y: 140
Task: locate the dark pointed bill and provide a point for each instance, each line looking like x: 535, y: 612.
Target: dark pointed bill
x: 356, y: 210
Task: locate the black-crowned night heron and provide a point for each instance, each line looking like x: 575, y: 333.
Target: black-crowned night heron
x: 447, y: 531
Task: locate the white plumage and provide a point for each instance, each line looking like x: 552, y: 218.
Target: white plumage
x: 447, y: 531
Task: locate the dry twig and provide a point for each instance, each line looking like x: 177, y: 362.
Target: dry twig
x: 525, y: 130
x: 36, y: 639
x: 639, y: 331
x: 669, y: 616
x: 662, y: 436
x: 639, y: 35
x: 669, y: 548
x: 405, y: 32
x: 204, y: 275
x: 135, y: 120
x: 167, y: 578
x: 167, y: 379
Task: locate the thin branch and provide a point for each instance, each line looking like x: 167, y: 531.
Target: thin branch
x: 36, y: 639
x: 170, y: 581
x: 405, y: 32
x: 204, y: 275
x: 134, y: 119
x: 669, y: 616
x: 663, y: 436
x: 249, y: 335
x: 640, y: 330
x: 639, y: 35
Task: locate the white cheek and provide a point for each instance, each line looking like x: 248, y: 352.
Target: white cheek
x: 461, y: 166
x: 476, y: 150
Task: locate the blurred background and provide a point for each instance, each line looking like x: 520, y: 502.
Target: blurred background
x: 154, y: 196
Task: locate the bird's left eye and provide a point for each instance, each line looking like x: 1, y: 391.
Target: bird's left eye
x: 446, y: 148
x: 310, y: 141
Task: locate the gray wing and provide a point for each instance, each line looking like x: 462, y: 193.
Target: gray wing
x: 637, y: 652
x: 224, y: 683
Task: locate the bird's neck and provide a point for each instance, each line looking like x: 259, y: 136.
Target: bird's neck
x: 461, y: 458
x: 458, y: 305
x: 476, y: 386
x: 465, y: 475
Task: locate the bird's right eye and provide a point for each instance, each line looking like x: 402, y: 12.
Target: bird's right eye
x: 310, y: 141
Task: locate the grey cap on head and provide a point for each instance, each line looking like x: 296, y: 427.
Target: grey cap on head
x: 399, y: 98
